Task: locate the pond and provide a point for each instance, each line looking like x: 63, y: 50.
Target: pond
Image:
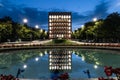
x: 35, y: 64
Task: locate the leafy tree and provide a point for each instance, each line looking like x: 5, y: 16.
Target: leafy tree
x: 111, y: 25
x: 5, y: 30
x: 107, y: 30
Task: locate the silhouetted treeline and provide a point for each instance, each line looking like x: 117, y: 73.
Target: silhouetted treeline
x: 107, y: 30
x: 13, y: 31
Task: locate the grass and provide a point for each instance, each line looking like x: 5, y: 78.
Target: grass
x: 60, y: 42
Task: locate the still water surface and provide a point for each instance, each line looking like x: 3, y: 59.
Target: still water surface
x: 35, y: 63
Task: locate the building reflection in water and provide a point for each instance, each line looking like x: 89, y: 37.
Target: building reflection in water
x: 60, y: 59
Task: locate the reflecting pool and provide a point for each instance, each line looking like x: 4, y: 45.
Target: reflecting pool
x: 36, y: 63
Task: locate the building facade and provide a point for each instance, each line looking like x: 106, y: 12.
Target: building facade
x: 60, y: 59
x: 60, y: 25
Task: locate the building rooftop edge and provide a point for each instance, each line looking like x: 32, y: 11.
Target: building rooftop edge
x: 61, y: 13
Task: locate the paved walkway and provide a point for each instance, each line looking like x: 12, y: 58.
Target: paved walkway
x: 24, y: 43
x: 69, y: 79
x: 97, y: 44
x: 40, y: 44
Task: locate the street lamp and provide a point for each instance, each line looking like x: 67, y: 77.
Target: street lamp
x: 41, y: 30
x: 36, y: 59
x: 95, y: 66
x: 25, y: 66
x: 21, y: 70
x: 82, y: 26
x: 25, y: 20
x: 94, y: 19
x: 76, y: 29
x: 45, y: 32
x: 36, y: 26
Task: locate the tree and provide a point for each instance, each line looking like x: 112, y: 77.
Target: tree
x: 5, y: 31
x: 13, y: 31
x: 107, y: 30
x: 112, y: 24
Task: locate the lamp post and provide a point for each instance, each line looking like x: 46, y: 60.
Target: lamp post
x: 82, y: 26
x: 21, y: 70
x: 45, y: 33
x: 36, y: 26
x: 41, y: 30
x: 25, y: 20
x: 95, y: 19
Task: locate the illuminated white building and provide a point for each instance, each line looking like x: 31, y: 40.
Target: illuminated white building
x: 60, y: 60
x: 60, y: 25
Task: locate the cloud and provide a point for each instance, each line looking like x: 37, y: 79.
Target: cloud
x: 32, y: 14
x: 1, y: 5
x: 115, y: 5
x: 101, y: 10
x: 78, y: 17
x: 35, y: 16
x: 40, y: 17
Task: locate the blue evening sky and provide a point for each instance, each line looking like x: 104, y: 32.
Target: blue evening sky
x: 36, y: 11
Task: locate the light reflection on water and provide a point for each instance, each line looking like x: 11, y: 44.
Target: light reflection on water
x: 36, y: 63
x: 60, y: 60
